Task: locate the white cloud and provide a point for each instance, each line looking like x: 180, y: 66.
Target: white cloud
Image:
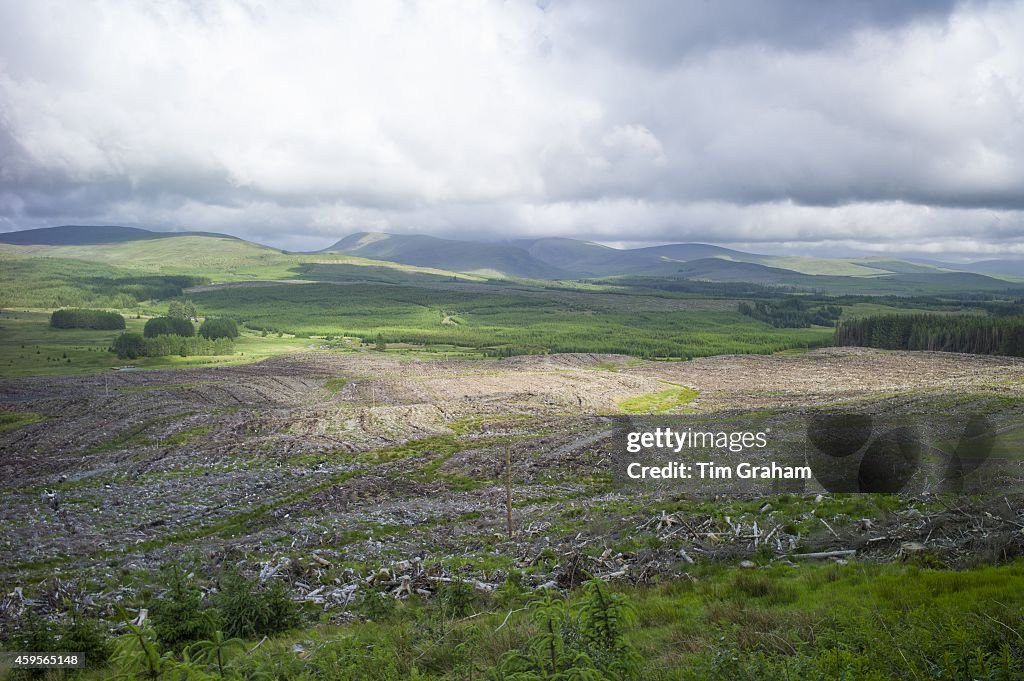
x: 296, y: 122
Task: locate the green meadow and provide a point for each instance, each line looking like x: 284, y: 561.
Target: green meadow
x: 30, y: 347
x: 497, y: 321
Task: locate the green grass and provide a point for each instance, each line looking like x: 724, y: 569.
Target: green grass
x: 334, y: 385
x: 30, y: 347
x: 503, y: 320
x: 15, y: 420
x: 187, y: 435
x: 231, y: 259
x: 858, y: 622
x: 50, y: 283
x: 662, y: 402
x: 822, y: 266
x: 221, y: 259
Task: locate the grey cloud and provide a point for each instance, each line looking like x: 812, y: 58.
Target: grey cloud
x: 730, y: 122
x: 663, y: 32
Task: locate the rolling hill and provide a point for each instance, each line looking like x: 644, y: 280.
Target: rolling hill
x: 929, y: 282
x: 1008, y: 268
x: 86, y: 235
x: 367, y: 256
x: 493, y: 259
x: 561, y: 258
x: 217, y: 257
x: 587, y: 258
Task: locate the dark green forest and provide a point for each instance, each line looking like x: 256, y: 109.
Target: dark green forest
x: 86, y: 319
x: 791, y: 313
x: 134, y: 345
x: 973, y: 334
x: 173, y: 326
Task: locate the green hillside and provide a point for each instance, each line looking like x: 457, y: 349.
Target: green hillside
x: 592, y: 259
x: 81, y: 235
x: 491, y: 259
x: 228, y: 259
x: 823, y: 266
x: 49, y: 282
x: 218, y: 259
x: 225, y: 258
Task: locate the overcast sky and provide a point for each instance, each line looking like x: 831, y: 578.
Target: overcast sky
x: 866, y: 125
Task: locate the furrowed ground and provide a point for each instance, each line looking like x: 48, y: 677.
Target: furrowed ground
x: 338, y: 472
x: 365, y: 458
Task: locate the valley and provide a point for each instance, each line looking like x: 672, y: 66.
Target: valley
x: 388, y: 443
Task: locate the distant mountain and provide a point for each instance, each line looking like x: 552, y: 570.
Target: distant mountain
x: 89, y: 235
x: 543, y: 258
x: 1010, y: 268
x: 687, y: 252
x: 952, y: 281
x: 901, y: 266
x: 930, y: 282
x: 447, y: 254
x: 720, y: 269
x: 587, y: 258
x: 561, y: 258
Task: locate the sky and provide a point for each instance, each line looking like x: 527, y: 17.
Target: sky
x: 859, y: 126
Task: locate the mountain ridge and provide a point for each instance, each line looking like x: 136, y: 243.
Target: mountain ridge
x: 91, y: 235
x: 560, y: 257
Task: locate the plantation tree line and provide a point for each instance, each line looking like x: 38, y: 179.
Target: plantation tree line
x: 174, y: 334
x: 134, y: 345
x: 218, y: 327
x: 168, y: 326
x: 86, y: 319
x: 973, y: 334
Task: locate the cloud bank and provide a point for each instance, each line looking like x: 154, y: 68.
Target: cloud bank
x: 870, y: 125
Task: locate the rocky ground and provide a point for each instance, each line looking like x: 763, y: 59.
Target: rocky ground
x: 325, y: 468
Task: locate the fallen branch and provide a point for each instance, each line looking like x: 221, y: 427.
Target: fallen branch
x: 845, y: 553
x: 505, y: 621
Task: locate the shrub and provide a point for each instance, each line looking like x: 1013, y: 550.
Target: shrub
x: 250, y: 611
x: 591, y: 645
x: 179, y: 617
x: 129, y: 346
x: 457, y: 597
x: 182, y: 310
x: 222, y: 327
x: 77, y: 633
x: 168, y: 326
x: 87, y: 636
x: 86, y: 319
x: 375, y: 606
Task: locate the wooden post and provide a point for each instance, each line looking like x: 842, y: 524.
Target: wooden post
x: 508, y: 491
